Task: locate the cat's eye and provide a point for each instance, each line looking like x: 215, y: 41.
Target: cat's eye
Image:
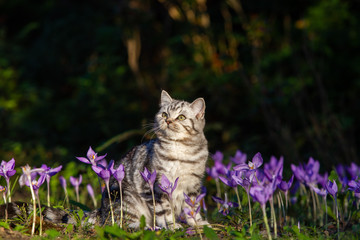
x: 181, y: 117
x: 164, y: 115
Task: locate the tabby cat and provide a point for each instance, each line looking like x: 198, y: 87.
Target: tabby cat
x: 179, y: 151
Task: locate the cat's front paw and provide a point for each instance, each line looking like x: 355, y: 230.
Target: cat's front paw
x: 203, y: 222
x: 177, y: 226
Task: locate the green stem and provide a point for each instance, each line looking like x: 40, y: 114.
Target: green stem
x: 273, y: 216
x: 250, y: 215
x: 153, y: 197
x: 266, y: 222
x: 41, y: 218
x: 6, y: 208
x: 34, y: 205
x: 314, y: 205
x: 8, y: 193
x: 121, y: 205
x: 325, y: 203
x: 172, y: 212
x: 48, y: 193
x: 337, y: 218
x: 111, y: 208
x: 218, y: 191
x: 238, y: 198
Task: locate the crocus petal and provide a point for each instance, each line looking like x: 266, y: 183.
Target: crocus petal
x: 90, y: 190
x: 80, y: 179
x: 11, y: 173
x: 73, y: 181
x: 105, y: 174
x: 62, y: 181
x: 165, y: 181
x: 257, y: 160
x: 97, y: 169
x: 153, y: 177
x: 218, y: 200
x: 54, y: 171
x: 90, y: 153
x: 10, y: 164
x: 241, y: 167
x: 225, y: 180
x: 218, y: 156
x: 198, y: 198
x: 84, y: 160
x: 99, y: 158
x: 119, y: 175
x: 175, y: 185
x: 111, y: 165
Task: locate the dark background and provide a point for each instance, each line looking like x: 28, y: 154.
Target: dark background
x: 279, y: 77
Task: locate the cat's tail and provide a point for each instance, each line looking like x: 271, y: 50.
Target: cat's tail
x: 55, y: 215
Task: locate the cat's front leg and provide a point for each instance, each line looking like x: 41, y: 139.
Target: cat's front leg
x: 164, y: 217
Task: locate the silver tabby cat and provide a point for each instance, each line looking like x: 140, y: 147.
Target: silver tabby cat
x: 180, y: 150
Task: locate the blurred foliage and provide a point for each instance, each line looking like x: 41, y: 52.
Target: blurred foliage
x: 279, y: 77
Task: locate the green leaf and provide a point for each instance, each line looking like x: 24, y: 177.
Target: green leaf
x: 4, y: 225
x: 210, y: 233
x: 80, y: 205
x: 52, y: 233
x: 149, y: 235
x: 115, y: 231
x: 69, y: 228
x: 142, y: 222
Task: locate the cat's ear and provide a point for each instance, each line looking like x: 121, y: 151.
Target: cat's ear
x: 165, y: 98
x: 198, y: 106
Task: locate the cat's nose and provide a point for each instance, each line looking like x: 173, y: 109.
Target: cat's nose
x: 169, y: 120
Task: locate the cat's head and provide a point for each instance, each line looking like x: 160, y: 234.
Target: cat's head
x: 179, y: 120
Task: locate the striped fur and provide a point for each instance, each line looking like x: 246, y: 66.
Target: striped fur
x: 180, y: 150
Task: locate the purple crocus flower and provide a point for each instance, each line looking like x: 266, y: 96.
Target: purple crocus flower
x: 28, y: 173
x: 285, y: 186
x: 307, y: 173
x: 274, y: 166
x: 229, y: 180
x: 321, y: 192
x: 332, y: 188
x: 239, y: 158
x: 322, y: 179
x: 92, y: 157
x: 91, y: 193
x: 355, y: 187
x: 191, y: 212
x: 149, y: 177
x: 262, y: 194
x: 37, y: 183
x: 119, y: 173
x: 7, y: 171
x: 341, y: 172
x: 251, y: 167
x: 225, y: 204
x: 354, y: 171
x: 104, y: 172
x: 76, y: 183
x: 166, y: 186
x: 218, y: 156
x: 192, y: 202
x: 62, y: 181
x: 48, y: 173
